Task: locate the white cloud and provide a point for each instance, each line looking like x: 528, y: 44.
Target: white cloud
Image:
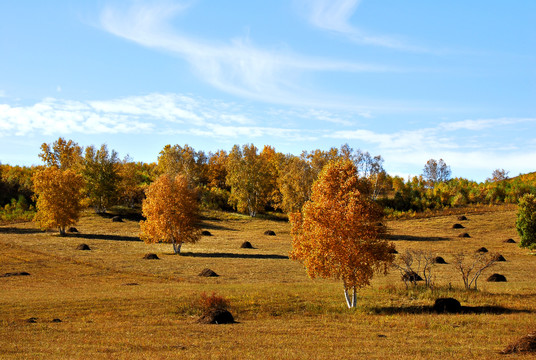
x: 334, y: 16
x: 237, y: 67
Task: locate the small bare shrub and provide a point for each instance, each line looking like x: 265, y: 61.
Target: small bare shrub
x: 471, y: 266
x: 416, y: 262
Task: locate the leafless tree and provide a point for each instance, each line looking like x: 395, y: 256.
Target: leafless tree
x: 472, y: 266
x: 416, y: 262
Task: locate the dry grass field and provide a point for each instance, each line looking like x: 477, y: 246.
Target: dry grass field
x: 113, y: 304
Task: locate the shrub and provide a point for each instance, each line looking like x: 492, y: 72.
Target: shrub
x: 208, y: 303
x: 526, y: 221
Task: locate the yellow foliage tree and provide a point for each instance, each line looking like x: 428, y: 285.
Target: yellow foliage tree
x: 338, y: 234
x: 59, y: 196
x: 171, y: 210
x: 62, y: 154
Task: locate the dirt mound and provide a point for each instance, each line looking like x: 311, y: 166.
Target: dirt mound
x: 525, y: 344
x: 482, y: 250
x: 56, y: 320
x: 458, y: 226
x: 439, y: 260
x: 32, y: 320
x: 151, y: 256
x: 462, y: 218
x: 246, y: 245
x: 72, y: 230
x: 217, y: 316
x: 447, y: 305
x: 269, y: 233
x: 497, y: 278
x: 393, y: 251
x: 465, y: 235
x: 411, y: 276
x: 83, y: 247
x: 117, y: 219
x: 499, y: 257
x: 208, y: 273
x: 510, y: 241
x: 206, y: 233
x: 16, y: 273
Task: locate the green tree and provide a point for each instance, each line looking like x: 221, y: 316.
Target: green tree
x: 101, y: 174
x: 338, y: 234
x: 174, y: 160
x: 526, y: 221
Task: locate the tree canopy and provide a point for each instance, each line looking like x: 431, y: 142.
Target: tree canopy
x: 338, y: 234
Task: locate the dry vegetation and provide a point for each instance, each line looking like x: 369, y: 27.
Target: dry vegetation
x: 114, y: 304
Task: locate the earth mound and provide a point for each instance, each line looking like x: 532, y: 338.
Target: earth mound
x: 499, y: 257
x: 151, y: 256
x: 393, y: 251
x: 83, y: 247
x: 72, y: 230
x: 206, y: 233
x: 16, y: 273
x: 447, y: 305
x: 462, y: 218
x: 482, y: 250
x: 411, y: 276
x: 510, y: 241
x: 269, y: 233
x: 246, y: 245
x: 32, y: 320
x: 208, y: 273
x: 497, y: 278
x: 526, y: 344
x: 464, y: 235
x: 117, y: 219
x: 217, y: 316
x: 458, y: 226
x: 439, y: 260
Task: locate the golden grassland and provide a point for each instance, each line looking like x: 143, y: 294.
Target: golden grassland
x: 113, y: 304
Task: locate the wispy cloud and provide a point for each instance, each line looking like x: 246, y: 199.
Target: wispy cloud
x: 334, y: 16
x: 237, y: 66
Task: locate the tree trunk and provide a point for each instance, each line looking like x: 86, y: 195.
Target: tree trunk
x: 62, y: 230
x: 177, y: 247
x: 351, y: 301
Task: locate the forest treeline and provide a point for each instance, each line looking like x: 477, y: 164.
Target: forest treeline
x: 248, y: 180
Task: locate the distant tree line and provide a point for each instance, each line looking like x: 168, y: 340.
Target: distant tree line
x: 251, y: 180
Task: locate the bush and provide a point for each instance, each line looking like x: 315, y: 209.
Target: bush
x: 209, y: 303
x: 526, y: 221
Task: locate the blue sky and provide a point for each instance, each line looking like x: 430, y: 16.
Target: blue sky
x: 409, y: 80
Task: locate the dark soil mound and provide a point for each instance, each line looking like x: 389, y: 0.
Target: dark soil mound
x: 482, y: 250
x: 499, y: 257
x: 32, y: 320
x: 208, y: 273
x: 462, y: 218
x: 525, y: 344
x: 393, y: 251
x: 206, y: 233
x: 83, y: 247
x: 497, y: 278
x: 72, y: 230
x: 246, y: 245
x: 218, y: 316
x: 458, y: 226
x: 411, y: 276
x: 16, y: 273
x: 131, y: 284
x: 439, y: 260
x: 464, y: 235
x: 117, y: 219
x: 151, y: 256
x: 447, y: 305
x: 269, y: 233
x: 56, y: 320
x: 510, y: 241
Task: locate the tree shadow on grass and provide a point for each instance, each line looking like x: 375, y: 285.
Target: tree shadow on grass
x: 204, y: 225
x: 498, y: 310
x: 14, y: 230
x: 104, y: 237
x: 237, y: 256
x: 395, y: 237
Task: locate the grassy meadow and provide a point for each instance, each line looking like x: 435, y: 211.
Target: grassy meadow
x: 113, y: 304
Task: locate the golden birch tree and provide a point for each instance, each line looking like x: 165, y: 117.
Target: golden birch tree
x: 171, y: 210
x: 337, y: 234
x: 59, y: 197
x: 63, y: 154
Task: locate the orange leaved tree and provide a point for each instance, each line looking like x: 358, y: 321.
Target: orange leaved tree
x: 59, y: 196
x: 338, y: 234
x: 171, y: 210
